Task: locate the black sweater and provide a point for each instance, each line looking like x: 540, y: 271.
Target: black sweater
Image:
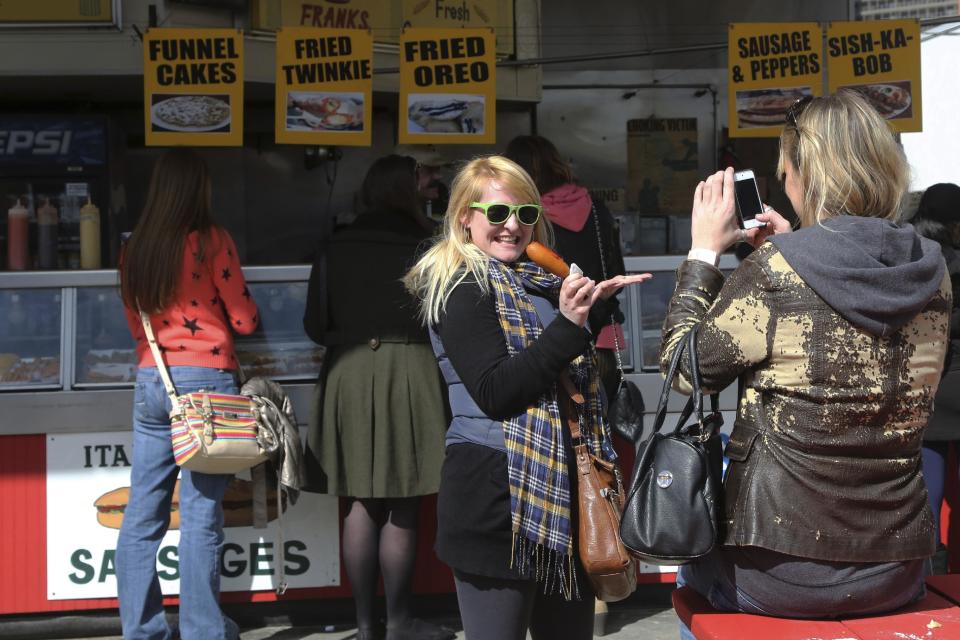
x: 503, y: 386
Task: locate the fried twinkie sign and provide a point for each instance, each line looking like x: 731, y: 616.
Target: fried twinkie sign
x: 193, y: 87
x: 324, y: 86
x: 771, y: 66
x: 447, y: 86
x: 881, y: 61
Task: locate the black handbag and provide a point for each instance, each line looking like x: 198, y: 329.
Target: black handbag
x: 625, y: 412
x: 671, y: 513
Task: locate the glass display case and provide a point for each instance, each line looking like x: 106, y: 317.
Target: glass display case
x: 30, y: 338
x: 647, y: 306
x: 67, y: 361
x: 68, y: 331
x: 104, y: 349
x: 279, y: 348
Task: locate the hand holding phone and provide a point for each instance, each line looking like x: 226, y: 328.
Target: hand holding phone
x: 748, y: 198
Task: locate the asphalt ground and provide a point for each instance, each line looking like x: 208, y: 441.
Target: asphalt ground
x: 647, y: 615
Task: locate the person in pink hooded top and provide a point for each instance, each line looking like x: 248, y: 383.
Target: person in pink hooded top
x: 576, y: 217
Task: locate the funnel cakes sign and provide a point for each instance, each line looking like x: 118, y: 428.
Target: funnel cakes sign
x: 772, y: 65
x: 193, y: 87
x: 324, y: 84
x: 447, y: 86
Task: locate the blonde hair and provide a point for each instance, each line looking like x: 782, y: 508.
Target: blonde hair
x: 846, y: 160
x: 453, y: 256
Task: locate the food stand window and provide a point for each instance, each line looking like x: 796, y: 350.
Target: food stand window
x: 646, y: 306
x: 104, y: 347
x: 278, y: 348
x: 30, y: 339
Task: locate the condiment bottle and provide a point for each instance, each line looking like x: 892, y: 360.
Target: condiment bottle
x: 47, y: 223
x: 18, y: 222
x: 89, y: 236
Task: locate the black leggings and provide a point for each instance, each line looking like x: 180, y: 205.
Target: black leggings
x: 502, y: 609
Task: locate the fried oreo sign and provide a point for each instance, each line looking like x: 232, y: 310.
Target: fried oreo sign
x: 447, y: 86
x: 772, y: 65
x: 193, y: 87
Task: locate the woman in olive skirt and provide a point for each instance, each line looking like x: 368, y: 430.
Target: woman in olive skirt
x: 377, y: 432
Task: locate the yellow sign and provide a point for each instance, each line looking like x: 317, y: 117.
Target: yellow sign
x: 458, y: 14
x: 880, y: 60
x: 193, y: 87
x: 380, y: 16
x: 448, y: 87
x: 387, y: 18
x: 661, y: 165
x: 324, y: 86
x: 56, y: 11
x: 771, y: 66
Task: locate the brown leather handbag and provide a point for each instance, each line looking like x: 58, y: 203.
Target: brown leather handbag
x: 610, y: 568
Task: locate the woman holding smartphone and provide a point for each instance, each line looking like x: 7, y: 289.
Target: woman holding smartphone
x: 838, y: 331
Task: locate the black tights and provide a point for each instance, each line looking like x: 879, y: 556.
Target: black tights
x: 498, y: 609
x: 380, y: 535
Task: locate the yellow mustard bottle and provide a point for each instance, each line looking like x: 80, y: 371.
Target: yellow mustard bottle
x: 89, y: 236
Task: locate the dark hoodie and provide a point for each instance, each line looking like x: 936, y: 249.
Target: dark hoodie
x: 874, y: 273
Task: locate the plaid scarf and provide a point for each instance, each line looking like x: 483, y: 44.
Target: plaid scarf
x: 536, y: 453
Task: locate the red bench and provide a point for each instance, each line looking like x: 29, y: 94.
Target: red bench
x: 936, y: 617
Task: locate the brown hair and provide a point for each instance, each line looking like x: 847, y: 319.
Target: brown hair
x: 541, y: 159
x: 391, y: 185
x: 178, y: 202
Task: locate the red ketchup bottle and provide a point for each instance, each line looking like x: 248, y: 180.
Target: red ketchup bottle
x: 18, y: 222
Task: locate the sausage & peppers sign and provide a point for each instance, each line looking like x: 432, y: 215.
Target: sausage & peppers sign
x: 771, y: 66
x: 193, y: 87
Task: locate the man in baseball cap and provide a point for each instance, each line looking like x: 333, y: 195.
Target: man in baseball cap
x: 430, y: 163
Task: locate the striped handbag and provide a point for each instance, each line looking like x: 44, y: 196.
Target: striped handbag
x: 212, y: 432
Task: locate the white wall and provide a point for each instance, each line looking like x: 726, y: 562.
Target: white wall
x: 934, y: 153
x: 589, y: 125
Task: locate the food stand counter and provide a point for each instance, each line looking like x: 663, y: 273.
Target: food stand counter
x: 66, y: 380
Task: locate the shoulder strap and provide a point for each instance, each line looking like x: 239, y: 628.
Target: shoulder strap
x: 603, y: 272
x: 694, y: 405
x: 158, y: 358
x: 570, y: 396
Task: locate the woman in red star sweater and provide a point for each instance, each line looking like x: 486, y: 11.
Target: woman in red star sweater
x: 185, y: 273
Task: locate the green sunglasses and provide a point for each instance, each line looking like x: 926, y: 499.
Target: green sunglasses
x: 499, y: 212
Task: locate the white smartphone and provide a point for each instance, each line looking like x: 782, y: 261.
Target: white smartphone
x: 748, y: 198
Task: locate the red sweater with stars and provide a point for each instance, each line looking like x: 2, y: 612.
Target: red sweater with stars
x: 212, y: 299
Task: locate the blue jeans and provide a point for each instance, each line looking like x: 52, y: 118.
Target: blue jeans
x: 934, y: 459
x: 147, y: 517
x: 765, y: 583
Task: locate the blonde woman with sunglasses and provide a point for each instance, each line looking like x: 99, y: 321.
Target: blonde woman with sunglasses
x: 505, y: 332
x: 838, y: 333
